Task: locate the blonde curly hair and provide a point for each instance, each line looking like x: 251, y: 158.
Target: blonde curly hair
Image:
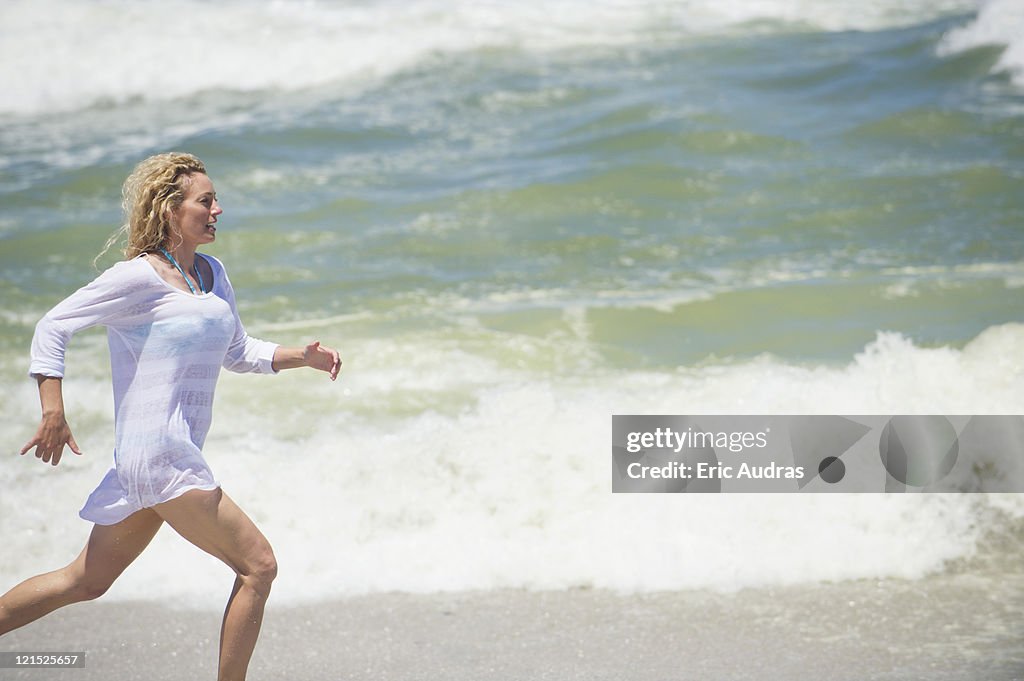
x: 155, y: 188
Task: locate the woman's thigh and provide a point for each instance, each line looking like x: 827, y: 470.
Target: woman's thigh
x: 112, y: 548
x: 213, y: 522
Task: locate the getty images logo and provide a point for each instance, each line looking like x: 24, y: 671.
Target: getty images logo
x: 919, y: 450
x: 878, y: 453
x: 915, y: 450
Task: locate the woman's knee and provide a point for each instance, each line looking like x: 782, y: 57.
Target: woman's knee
x: 268, y: 566
x: 262, y: 569
x: 85, y: 585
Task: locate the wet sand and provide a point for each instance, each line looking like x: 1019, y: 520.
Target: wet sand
x: 959, y: 627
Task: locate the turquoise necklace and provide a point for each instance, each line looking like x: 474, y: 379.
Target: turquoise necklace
x: 199, y: 277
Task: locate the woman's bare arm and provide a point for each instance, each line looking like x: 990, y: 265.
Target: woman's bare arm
x: 54, y: 431
x: 313, y: 355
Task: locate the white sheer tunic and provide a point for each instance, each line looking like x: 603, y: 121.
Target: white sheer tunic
x: 166, y: 350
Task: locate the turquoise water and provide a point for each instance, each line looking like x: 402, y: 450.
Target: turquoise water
x: 516, y: 220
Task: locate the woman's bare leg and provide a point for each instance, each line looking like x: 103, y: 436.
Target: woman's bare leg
x: 214, y: 523
x: 110, y: 549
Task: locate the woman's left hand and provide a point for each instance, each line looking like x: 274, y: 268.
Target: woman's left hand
x: 317, y: 356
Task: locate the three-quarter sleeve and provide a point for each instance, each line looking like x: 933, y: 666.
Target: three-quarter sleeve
x: 100, y: 302
x: 245, y: 354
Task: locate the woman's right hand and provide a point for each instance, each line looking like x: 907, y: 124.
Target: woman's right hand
x: 54, y: 432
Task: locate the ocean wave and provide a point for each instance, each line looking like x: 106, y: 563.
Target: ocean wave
x: 64, y: 55
x: 511, y: 488
x: 1000, y: 23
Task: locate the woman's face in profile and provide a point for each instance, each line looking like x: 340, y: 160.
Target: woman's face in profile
x: 195, y: 218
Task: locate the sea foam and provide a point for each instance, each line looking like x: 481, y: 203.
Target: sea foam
x: 999, y: 22
x: 512, y: 490
x: 64, y: 55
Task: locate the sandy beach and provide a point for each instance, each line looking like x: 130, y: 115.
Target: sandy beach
x: 857, y: 631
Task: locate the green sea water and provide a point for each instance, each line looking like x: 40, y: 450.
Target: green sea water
x: 792, y: 192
